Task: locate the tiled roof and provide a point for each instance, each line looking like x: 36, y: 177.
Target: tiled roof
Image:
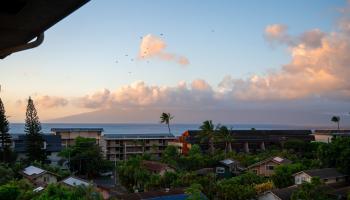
x: 154, y: 166
x: 323, y: 173
x: 172, y: 194
x: 275, y: 159
x: 284, y: 193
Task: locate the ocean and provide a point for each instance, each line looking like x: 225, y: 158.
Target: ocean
x: 176, y: 129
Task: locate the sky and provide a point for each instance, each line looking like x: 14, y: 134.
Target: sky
x: 230, y: 61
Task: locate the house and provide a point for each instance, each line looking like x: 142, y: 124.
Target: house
x: 52, y: 145
x: 332, y: 190
x: 326, y: 136
x: 72, y: 181
x: 123, y: 146
x: 227, y: 168
x: 278, y: 194
x: 157, y: 167
x: 327, y: 175
x: 38, y: 176
x: 266, y: 167
x: 167, y: 194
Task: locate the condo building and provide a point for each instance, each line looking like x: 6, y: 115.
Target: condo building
x: 68, y: 135
x: 122, y: 146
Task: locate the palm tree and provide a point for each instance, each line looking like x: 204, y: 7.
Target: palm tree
x: 208, y: 134
x: 336, y: 119
x: 227, y: 137
x: 165, y: 118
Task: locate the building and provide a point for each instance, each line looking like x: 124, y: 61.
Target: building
x: 279, y: 194
x: 333, y: 191
x: 267, y: 167
x: 73, y: 181
x: 68, y: 135
x: 249, y: 140
x: 122, y: 146
x: 156, y: 167
x: 167, y: 194
x: 227, y: 168
x: 38, y: 176
x: 52, y: 145
x: 326, y: 136
x: 327, y: 175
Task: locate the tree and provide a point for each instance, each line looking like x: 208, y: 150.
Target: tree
x: 283, y: 174
x: 170, y: 155
x: 336, y: 154
x: 5, y: 137
x: 55, y: 192
x: 165, y: 118
x: 227, y: 137
x: 34, y: 141
x: 336, y: 119
x: 86, y: 157
x: 208, y: 134
x: 194, y: 191
x: 6, y: 174
x: 310, y: 191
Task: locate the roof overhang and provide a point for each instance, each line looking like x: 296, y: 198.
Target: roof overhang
x: 21, y: 21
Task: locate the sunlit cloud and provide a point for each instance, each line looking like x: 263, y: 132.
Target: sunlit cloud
x: 154, y: 47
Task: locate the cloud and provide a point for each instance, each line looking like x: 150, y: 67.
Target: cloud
x: 50, y: 101
x: 277, y: 33
x: 140, y: 94
x: 154, y: 47
x: 96, y: 100
x: 319, y: 68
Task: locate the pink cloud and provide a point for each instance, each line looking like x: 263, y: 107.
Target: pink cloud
x: 154, y: 47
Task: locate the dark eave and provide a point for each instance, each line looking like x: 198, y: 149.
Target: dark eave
x: 24, y: 20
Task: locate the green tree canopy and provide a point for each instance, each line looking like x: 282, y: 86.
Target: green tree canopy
x: 34, y: 141
x: 5, y: 138
x: 86, y: 158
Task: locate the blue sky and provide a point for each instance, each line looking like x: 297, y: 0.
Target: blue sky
x: 219, y: 38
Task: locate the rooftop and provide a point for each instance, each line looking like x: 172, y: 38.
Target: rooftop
x: 323, y: 173
x: 74, y: 181
x: 154, y: 166
x: 284, y: 193
x: 139, y: 136
x: 172, y: 194
x: 53, y: 142
x: 77, y: 130
x: 227, y: 161
x: 32, y: 170
x: 275, y: 159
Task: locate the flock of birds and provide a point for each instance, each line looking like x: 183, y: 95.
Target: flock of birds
x: 145, y: 53
x: 132, y: 59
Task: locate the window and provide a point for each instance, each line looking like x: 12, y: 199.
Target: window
x: 269, y: 167
x: 255, y: 171
x: 220, y: 170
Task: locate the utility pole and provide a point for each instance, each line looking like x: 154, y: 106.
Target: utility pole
x: 115, y: 169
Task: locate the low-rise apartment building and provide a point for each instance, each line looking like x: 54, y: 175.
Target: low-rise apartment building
x: 68, y: 135
x: 52, y: 145
x: 122, y: 146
